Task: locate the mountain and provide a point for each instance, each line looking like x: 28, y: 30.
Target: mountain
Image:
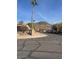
x: 43, y: 23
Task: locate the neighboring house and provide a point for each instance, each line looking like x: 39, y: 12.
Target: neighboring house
x: 43, y: 27
x: 23, y: 28
x: 39, y: 27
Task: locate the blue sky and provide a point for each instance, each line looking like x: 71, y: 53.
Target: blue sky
x: 47, y: 10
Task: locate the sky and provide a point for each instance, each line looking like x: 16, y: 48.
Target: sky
x: 46, y: 10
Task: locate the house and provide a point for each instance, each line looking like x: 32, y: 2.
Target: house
x: 43, y: 26
x: 23, y: 28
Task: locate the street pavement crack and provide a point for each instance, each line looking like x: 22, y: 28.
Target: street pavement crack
x: 30, y: 52
x: 22, y: 45
x: 39, y: 44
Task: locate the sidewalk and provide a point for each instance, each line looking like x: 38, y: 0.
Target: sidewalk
x: 25, y: 36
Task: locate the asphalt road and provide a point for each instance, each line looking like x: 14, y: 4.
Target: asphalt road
x: 49, y: 47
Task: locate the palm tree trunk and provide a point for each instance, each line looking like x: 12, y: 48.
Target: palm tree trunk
x: 32, y: 30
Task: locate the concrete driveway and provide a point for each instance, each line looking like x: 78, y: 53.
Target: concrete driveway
x: 49, y: 47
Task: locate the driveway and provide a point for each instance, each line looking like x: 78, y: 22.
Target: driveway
x: 49, y: 47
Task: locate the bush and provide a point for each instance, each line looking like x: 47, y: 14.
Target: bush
x: 57, y: 28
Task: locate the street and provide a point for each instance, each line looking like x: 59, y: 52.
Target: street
x: 49, y: 47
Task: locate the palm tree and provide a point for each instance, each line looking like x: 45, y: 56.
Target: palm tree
x: 34, y: 3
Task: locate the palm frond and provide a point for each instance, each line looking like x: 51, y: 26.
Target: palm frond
x: 34, y: 3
